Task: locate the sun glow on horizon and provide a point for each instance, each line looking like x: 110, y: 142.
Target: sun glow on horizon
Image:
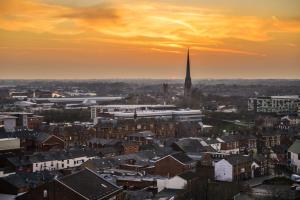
x: 118, y: 39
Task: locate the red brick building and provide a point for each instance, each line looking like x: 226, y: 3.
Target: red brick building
x: 49, y: 142
x: 129, y: 147
x: 174, y: 164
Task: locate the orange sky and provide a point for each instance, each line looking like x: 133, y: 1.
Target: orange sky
x: 85, y: 39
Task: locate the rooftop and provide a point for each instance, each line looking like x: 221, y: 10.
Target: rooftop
x: 183, y: 158
x: 295, y: 147
x: 188, y: 175
x: 89, y: 184
x: 235, y: 159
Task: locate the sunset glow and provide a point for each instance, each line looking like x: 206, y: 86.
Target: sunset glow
x: 148, y: 39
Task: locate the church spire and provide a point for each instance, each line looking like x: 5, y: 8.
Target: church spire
x: 188, y: 80
x: 188, y: 71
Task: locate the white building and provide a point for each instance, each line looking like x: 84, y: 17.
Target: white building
x: 294, y: 156
x: 8, y: 122
x: 7, y: 144
x: 223, y: 171
x: 180, y: 181
x: 60, y: 160
x: 178, y: 115
x: 275, y: 104
x: 97, y: 110
x: 233, y: 167
x: 52, y: 160
x: 59, y: 164
x: 21, y: 118
x: 76, y: 99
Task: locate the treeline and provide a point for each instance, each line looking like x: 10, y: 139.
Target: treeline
x: 65, y: 115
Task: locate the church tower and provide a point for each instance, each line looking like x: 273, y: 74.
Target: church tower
x: 188, y: 80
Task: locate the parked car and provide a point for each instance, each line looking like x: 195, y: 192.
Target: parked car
x: 296, y: 178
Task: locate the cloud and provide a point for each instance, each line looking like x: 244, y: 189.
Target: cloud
x: 99, y: 12
x: 229, y: 51
x: 151, y: 24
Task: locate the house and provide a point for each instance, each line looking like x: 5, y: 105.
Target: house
x: 21, y: 118
x: 143, y: 137
x: 259, y: 166
x: 82, y: 185
x: 289, y: 121
x: 141, y: 161
x: 18, y: 183
x: 266, y: 121
x: 173, y: 164
x: 9, y: 145
x: 98, y: 164
x: 45, y: 142
x: 229, y: 144
x: 170, y: 194
x: 98, y: 143
x: 8, y: 122
x: 213, y: 142
x: 109, y: 152
x: 247, y: 143
x: 129, y: 147
x: 294, y: 156
x: 52, y: 160
x: 184, y: 180
x: 36, y: 141
x: 270, y: 138
x: 136, y: 182
x: 35, y: 121
x: 194, y: 147
x: 233, y: 167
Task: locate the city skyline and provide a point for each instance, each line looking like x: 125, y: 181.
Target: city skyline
x: 95, y: 39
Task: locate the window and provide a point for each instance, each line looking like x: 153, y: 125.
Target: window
x: 289, y: 155
x: 298, y: 156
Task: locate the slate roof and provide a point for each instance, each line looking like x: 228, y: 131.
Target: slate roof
x: 210, y: 140
x: 229, y: 138
x: 103, y: 163
x: 27, y: 135
x: 188, y: 175
x: 166, y: 194
x: 89, y: 184
x: 109, y: 150
x: 159, y: 151
x: 139, y: 194
x: 235, y: 159
x: 182, y: 157
x: 246, y: 137
x: 50, y: 155
x: 30, y: 180
x: 295, y: 147
x: 193, y: 145
x: 102, y: 141
x: 259, y: 158
x: 142, y: 134
x: 140, y: 158
x: 270, y: 133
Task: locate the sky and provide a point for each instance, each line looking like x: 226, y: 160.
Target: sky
x: 97, y: 39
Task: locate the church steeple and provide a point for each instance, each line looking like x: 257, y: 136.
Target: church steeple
x: 188, y: 71
x: 188, y: 80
